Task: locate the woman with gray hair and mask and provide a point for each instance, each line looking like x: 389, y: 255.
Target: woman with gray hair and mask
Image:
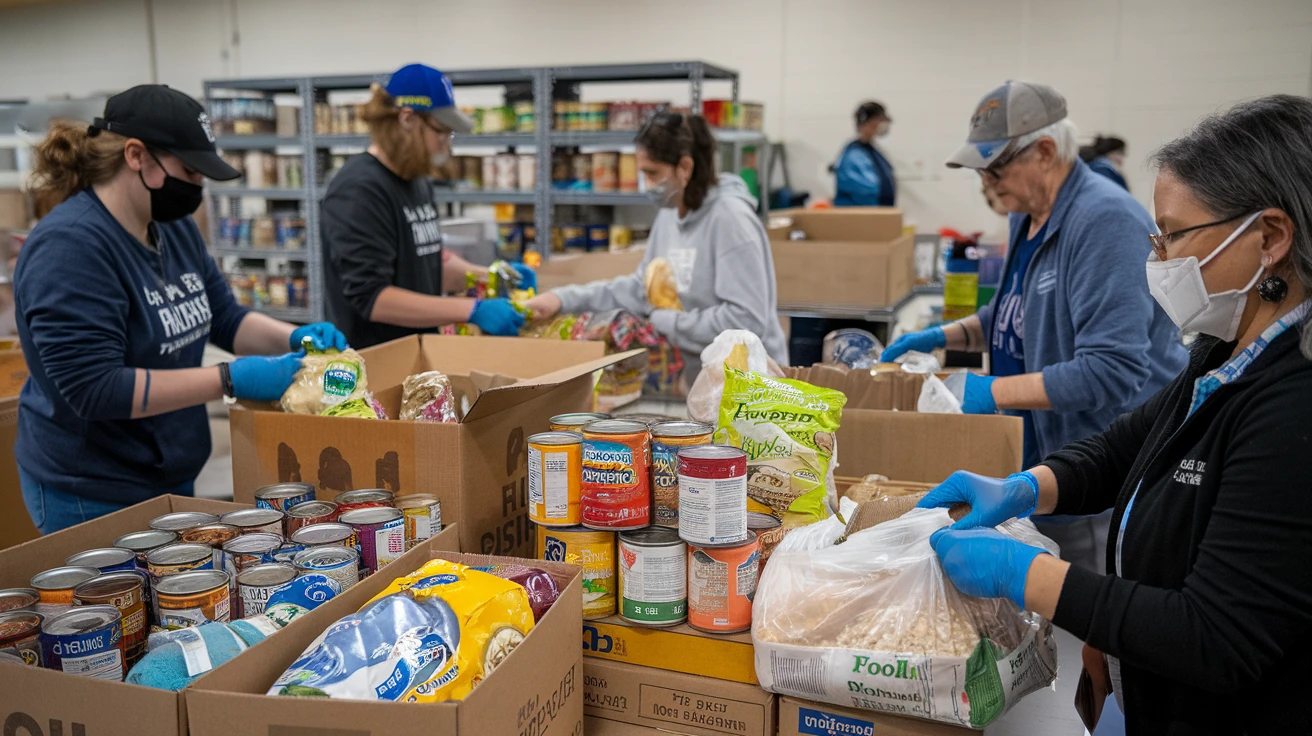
x: 1201, y: 625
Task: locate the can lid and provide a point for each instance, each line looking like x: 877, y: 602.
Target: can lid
x: 323, y: 532
x: 284, y: 490
x: 11, y: 598
x: 311, y: 509
x: 652, y: 536
x: 146, y: 540
x: 681, y: 429
x: 81, y: 619
x: 24, y: 621
x: 60, y: 578
x: 416, y: 500
x: 182, y: 520
x: 757, y: 520
x: 317, y: 558
x: 179, y: 554
x: 191, y: 582
x: 112, y: 583
x: 211, y: 534
x: 555, y: 438
x: 264, y: 575
x: 363, y: 494
x: 712, y: 452
x: 257, y: 542
x: 615, y: 426
x: 103, y: 557
x: 374, y: 515
x: 252, y: 517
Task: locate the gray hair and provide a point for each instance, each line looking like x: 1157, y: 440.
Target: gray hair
x: 1257, y: 154
x: 1063, y: 135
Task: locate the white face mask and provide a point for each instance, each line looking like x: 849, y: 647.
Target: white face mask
x: 1178, y: 286
x: 665, y: 194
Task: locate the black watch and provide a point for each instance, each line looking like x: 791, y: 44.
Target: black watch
x: 225, y: 375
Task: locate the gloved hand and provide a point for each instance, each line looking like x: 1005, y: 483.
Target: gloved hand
x: 978, y: 398
x: 921, y: 342
x: 497, y: 317
x: 992, y: 500
x: 325, y: 335
x: 257, y: 378
x: 528, y: 278
x: 985, y: 563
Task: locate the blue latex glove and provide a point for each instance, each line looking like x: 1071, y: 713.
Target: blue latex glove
x: 978, y: 398
x: 921, y: 342
x: 497, y: 317
x: 257, y: 378
x: 992, y: 500
x: 985, y: 563
x: 528, y: 278
x: 325, y: 335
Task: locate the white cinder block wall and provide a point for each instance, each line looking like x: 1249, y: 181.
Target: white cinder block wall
x: 1141, y: 69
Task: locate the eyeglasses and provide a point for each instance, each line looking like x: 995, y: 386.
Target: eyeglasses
x: 995, y: 170
x: 433, y: 125
x: 1162, y: 241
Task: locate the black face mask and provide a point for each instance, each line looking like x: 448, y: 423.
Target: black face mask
x: 175, y: 199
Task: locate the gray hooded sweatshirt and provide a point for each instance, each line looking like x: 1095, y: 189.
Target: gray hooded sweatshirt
x: 722, y: 266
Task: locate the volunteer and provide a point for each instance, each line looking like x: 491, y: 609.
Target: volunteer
x: 385, y: 269
x: 1106, y: 156
x: 1073, y: 336
x: 1204, y: 617
x: 115, y: 299
x: 709, y: 232
x: 862, y: 176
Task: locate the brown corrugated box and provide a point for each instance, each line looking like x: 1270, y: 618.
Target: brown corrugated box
x: 537, y: 690
x: 564, y: 269
x: 805, y: 718
x: 476, y: 467
x: 851, y: 257
x: 16, y: 526
x: 676, y: 702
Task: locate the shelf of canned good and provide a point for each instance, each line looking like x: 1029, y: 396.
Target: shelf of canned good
x: 264, y: 192
x: 604, y: 199
x: 291, y: 254
x: 484, y: 196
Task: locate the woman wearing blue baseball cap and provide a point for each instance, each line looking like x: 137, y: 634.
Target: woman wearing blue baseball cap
x: 385, y: 269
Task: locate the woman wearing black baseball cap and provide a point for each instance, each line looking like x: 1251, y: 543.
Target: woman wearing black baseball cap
x: 116, y: 298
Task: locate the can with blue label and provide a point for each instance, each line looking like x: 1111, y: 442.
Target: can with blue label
x: 105, y: 559
x: 338, y: 563
x: 283, y: 496
x: 86, y: 641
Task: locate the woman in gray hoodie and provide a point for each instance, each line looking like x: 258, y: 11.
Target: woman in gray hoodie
x: 709, y: 232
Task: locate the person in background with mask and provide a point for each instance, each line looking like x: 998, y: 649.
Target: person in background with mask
x: 115, y: 298
x: 1106, y: 156
x: 1200, y: 625
x: 862, y: 176
x: 385, y: 271
x: 1073, y: 336
x: 709, y: 232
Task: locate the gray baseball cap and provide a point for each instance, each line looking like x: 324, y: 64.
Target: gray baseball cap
x: 1002, y: 116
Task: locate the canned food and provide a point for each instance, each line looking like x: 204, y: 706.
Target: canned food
x: 325, y: 535
x: 256, y: 584
x: 615, y: 491
x: 364, y: 498
x: 86, y: 641
x: 713, y: 495
x: 286, y: 553
x: 193, y: 598
x: 653, y: 568
x: 249, y: 521
x: 381, y: 534
x: 305, y: 514
x: 284, y: 496
x: 179, y: 558
x: 666, y: 440
x: 142, y: 543
x: 721, y: 586
x: 105, y: 559
x: 18, y: 599
x: 576, y: 421
x: 181, y: 521
x: 555, y: 469
x: 54, y: 588
x: 594, y: 551
x: 339, y: 563
x: 20, y: 636
x: 125, y: 591
x: 422, y: 517
x: 249, y: 550
x: 769, y: 531
x: 211, y: 535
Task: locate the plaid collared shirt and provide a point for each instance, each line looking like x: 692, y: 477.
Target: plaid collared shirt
x: 1232, y: 369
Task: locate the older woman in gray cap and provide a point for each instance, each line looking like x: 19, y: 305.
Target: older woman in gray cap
x: 1073, y: 336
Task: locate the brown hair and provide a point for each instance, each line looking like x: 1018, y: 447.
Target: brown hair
x: 404, y: 150
x: 669, y: 136
x: 69, y: 160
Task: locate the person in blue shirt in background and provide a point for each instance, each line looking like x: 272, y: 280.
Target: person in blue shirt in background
x: 115, y: 297
x: 862, y: 176
x: 1106, y: 156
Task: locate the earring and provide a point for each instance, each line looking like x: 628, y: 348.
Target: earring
x: 1273, y: 289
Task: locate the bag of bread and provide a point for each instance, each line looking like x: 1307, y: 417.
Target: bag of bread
x: 326, y: 379
x: 662, y: 291
x: 735, y: 348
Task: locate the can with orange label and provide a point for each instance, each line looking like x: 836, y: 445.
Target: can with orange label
x: 721, y: 586
x: 615, y: 488
x: 193, y: 598
x: 125, y: 591
x: 555, y: 469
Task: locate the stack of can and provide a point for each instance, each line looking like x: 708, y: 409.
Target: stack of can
x: 655, y: 513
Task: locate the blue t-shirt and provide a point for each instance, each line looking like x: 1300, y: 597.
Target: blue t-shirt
x: 93, y: 305
x: 1007, y: 351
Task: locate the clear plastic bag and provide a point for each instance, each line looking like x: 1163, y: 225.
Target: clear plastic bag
x: 325, y: 380
x: 428, y: 397
x: 874, y: 623
x: 742, y: 350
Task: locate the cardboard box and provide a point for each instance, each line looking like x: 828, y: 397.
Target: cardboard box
x: 15, y: 525
x: 851, y: 257
x: 677, y: 648
x: 870, y: 224
x: 563, y: 269
x: 678, y: 703
x: 477, y: 468
x: 805, y: 718
x: 927, y: 448
x: 895, y: 390
x: 537, y: 690
x: 593, y: 726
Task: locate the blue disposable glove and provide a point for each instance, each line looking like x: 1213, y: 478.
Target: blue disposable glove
x: 497, y: 317
x: 978, y: 398
x: 921, y: 342
x: 324, y: 335
x: 992, y: 500
x: 985, y: 563
x: 257, y: 378
x: 528, y: 278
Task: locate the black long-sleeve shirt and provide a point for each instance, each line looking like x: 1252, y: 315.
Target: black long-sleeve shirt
x: 1211, y: 615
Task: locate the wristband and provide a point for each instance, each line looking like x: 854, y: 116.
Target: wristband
x: 225, y: 376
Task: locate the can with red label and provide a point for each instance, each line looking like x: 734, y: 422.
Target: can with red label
x: 364, y: 498
x: 303, y: 515
x: 381, y: 534
x: 713, y: 495
x: 616, y: 482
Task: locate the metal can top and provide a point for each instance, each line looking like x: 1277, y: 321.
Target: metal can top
x: 12, y: 598
x: 284, y: 490
x: 363, y: 495
x: 615, y: 426
x: 61, y: 578
x: 146, y: 540
x: 103, y: 557
x: 180, y: 521
x: 652, y: 536
x: 325, y: 558
x: 416, y: 500
x: 246, y: 518
x: 191, y: 583
x: 182, y: 553
x: 712, y: 452
x: 681, y: 429
x: 212, y: 535
x: 374, y: 515
x: 555, y: 439
x: 16, y: 624
x: 578, y: 419
x: 114, y: 583
x: 757, y: 521
x: 311, y: 509
x: 81, y: 619
x: 322, y: 533
x: 266, y: 575
x: 262, y: 542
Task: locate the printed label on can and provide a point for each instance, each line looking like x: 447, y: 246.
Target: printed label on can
x: 96, y: 653
x: 389, y: 542
x: 254, y: 598
x: 654, y: 583
x: 713, y: 510
x: 551, y: 485
x: 595, y: 553
x: 181, y: 618
x: 614, y: 485
x: 422, y: 522
x: 708, y: 589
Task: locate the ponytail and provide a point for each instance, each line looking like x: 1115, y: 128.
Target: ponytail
x: 71, y: 159
x: 669, y: 136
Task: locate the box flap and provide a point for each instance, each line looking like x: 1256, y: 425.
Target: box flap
x: 522, y: 357
x: 499, y: 399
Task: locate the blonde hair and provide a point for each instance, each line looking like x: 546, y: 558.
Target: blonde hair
x: 69, y: 160
x: 403, y: 148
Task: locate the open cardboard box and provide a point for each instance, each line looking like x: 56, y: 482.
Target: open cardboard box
x: 563, y: 269
x: 805, y: 718
x: 536, y: 690
x: 675, y: 702
x: 676, y: 648
x: 851, y: 257
x: 509, y: 388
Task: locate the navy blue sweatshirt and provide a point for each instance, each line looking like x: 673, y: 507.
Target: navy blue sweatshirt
x: 93, y: 305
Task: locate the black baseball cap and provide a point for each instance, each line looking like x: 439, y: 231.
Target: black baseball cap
x: 869, y: 111
x: 169, y: 120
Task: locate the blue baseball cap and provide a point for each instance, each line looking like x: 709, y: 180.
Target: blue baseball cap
x: 426, y: 89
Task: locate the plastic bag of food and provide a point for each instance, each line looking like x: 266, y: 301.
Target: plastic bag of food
x: 662, y: 291
x: 540, y: 586
x: 736, y: 348
x: 326, y: 379
x: 788, y: 430
x: 428, y: 397
x: 937, y: 398
x: 874, y: 623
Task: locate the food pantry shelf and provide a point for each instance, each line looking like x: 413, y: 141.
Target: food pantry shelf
x: 300, y: 316
x: 482, y: 197
x: 625, y: 137
x: 222, y: 191
x: 297, y: 254
x: 248, y: 142
x: 600, y: 198
x: 670, y: 70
